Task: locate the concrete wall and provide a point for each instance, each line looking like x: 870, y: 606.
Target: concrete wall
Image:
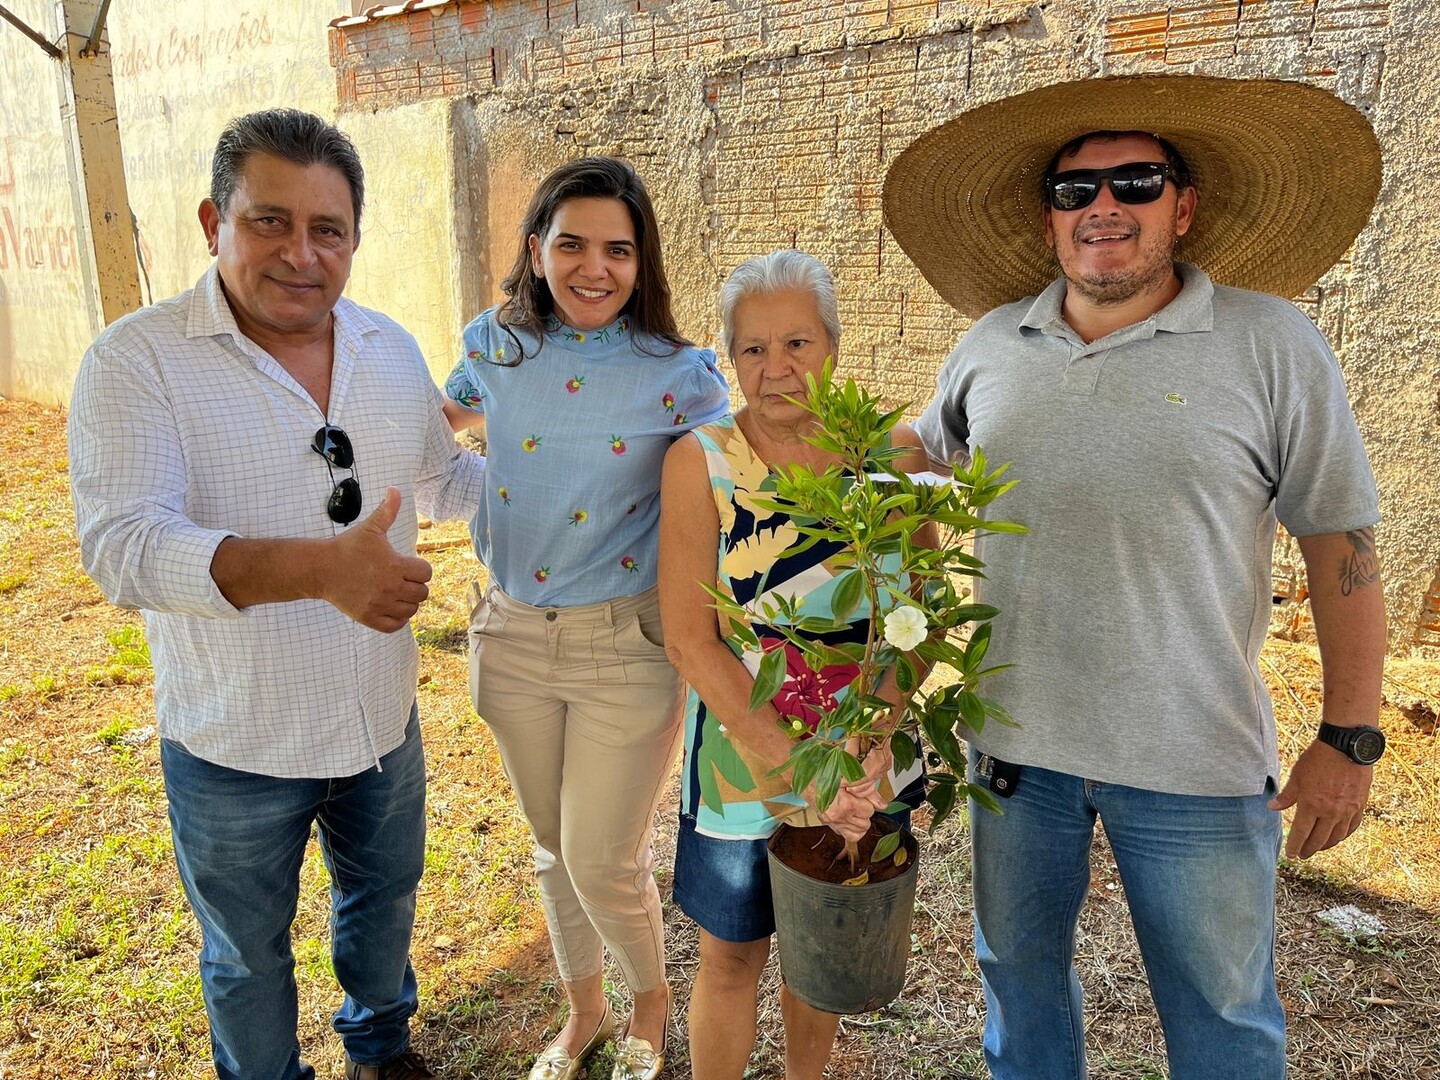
x: 44, y: 317
x: 760, y: 124
x: 182, y: 69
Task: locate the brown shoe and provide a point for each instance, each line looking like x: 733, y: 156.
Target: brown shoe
x: 408, y: 1066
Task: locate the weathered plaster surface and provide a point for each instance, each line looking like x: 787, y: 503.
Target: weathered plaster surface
x: 44, y: 317
x: 182, y: 70
x: 404, y: 266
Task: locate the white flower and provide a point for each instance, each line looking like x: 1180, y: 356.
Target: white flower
x: 905, y: 627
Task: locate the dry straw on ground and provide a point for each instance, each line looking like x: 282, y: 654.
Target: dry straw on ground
x: 97, y: 950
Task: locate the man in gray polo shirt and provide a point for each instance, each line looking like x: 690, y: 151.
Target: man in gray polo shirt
x: 1159, y: 424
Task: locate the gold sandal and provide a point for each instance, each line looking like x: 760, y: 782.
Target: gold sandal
x: 636, y: 1059
x: 556, y: 1063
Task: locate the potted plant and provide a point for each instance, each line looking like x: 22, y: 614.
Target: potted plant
x: 843, y: 908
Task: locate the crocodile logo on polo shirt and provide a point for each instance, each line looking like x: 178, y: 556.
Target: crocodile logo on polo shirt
x: 1175, y: 399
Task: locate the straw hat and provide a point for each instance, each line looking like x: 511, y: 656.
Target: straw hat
x: 1286, y: 172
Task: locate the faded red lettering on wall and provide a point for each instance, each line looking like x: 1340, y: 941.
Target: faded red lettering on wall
x: 36, y: 247
x: 180, y: 50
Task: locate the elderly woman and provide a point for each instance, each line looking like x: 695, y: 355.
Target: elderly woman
x: 779, y: 323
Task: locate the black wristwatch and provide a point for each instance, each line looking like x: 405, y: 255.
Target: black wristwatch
x: 1362, y: 744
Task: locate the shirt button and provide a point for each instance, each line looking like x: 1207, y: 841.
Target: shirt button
x: 550, y: 616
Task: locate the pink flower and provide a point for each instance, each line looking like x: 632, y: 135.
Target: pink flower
x: 805, y: 693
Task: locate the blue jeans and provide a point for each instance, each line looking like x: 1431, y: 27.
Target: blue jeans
x: 239, y: 841
x: 1199, y: 876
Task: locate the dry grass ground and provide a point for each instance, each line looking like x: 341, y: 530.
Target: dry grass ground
x: 97, y: 949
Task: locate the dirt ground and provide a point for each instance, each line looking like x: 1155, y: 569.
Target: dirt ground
x: 97, y: 948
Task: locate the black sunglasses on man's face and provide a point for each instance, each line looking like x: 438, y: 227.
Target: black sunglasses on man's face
x: 1132, y: 183
x: 333, y: 445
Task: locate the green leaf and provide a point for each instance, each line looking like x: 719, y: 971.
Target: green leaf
x: 964, y: 558
x: 894, y: 502
x: 769, y: 679
x: 940, y: 651
x: 806, y: 762
x: 973, y: 612
x: 905, y: 674
x: 827, y: 782
x: 742, y: 633
x: 942, y: 798
x: 723, y: 602
x: 1004, y: 527
x: 845, y: 597
x: 957, y: 519
x: 985, y: 797
x: 941, y: 736
x: 903, y: 749
x: 850, y: 767
x: 972, y: 711
x: 997, y: 712
x: 886, y: 847
x: 979, y: 644
x: 889, y: 420
x: 819, y: 624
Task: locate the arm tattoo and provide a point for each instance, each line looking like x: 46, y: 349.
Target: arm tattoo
x: 1359, y: 568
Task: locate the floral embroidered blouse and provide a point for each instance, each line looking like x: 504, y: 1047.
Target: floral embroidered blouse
x: 723, y: 785
x: 576, y: 434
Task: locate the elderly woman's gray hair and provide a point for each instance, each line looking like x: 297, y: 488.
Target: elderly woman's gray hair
x: 767, y: 274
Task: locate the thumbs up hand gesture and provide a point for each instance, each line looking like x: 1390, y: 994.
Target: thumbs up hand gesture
x: 372, y: 582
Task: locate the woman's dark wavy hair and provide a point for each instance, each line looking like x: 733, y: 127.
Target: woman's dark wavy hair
x: 530, y: 303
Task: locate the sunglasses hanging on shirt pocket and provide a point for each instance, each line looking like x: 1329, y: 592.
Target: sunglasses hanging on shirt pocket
x: 332, y: 444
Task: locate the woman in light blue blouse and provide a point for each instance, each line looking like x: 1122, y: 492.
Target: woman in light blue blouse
x: 583, y: 381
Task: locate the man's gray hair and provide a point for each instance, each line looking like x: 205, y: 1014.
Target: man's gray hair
x: 288, y: 134
x: 772, y: 273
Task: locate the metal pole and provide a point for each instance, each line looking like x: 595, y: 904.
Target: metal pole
x: 33, y: 35
x: 92, y: 46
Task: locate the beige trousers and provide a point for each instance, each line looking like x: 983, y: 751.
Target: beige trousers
x: 586, y: 711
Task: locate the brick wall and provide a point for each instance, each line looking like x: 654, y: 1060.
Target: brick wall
x: 764, y: 124
x: 797, y: 107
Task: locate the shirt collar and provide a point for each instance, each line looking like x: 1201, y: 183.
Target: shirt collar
x: 588, y: 340
x: 1192, y: 310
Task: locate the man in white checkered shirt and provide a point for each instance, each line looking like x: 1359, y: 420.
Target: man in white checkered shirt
x: 247, y: 459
